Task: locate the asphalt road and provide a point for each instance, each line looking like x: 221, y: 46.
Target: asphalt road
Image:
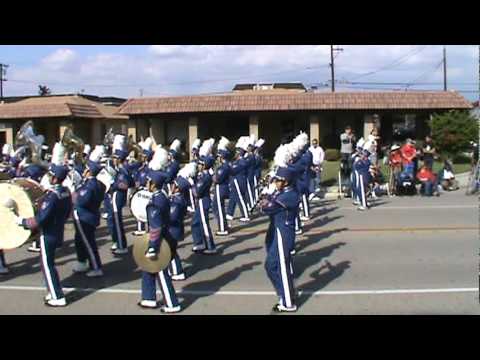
x: 404, y: 256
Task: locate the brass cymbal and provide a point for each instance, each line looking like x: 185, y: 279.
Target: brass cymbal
x: 162, y: 261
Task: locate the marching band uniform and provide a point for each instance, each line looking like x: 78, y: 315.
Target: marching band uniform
x: 141, y: 182
x: 362, y: 174
x: 201, y: 232
x: 86, y: 214
x: 51, y: 218
x: 258, y: 168
x: 304, y: 189
x: 296, y: 169
x: 281, y: 207
x: 250, y: 174
x: 221, y: 191
x: 353, y: 175
x: 190, y: 199
x: 174, y: 166
x: 3, y: 265
x: 237, y: 185
x: 158, y: 211
x: 116, y: 200
x: 176, y: 228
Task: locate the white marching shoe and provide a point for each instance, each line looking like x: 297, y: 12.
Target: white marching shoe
x: 229, y: 217
x: 221, y: 233
x: 139, y: 232
x: 34, y: 248
x: 170, y: 310
x: 104, y: 216
x: 114, y: 247
x: 148, y: 304
x: 94, y: 273
x: 244, y: 220
x: 179, y: 277
x: 304, y: 218
x: 81, y: 267
x: 299, y: 232
x: 56, y: 302
x: 120, y: 251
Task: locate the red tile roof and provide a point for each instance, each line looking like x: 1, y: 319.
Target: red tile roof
x: 62, y: 106
x: 304, y: 101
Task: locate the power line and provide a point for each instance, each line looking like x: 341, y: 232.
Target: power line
x: 395, y: 63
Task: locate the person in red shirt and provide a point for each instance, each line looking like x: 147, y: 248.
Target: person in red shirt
x: 428, y: 180
x: 395, y: 163
x: 409, y: 152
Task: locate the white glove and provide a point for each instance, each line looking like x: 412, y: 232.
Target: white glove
x: 211, y: 172
x: 18, y: 220
x: 190, y: 180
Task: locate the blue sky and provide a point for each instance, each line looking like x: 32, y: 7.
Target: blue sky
x: 162, y: 70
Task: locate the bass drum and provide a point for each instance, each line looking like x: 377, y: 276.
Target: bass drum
x: 25, y: 196
x: 138, y: 204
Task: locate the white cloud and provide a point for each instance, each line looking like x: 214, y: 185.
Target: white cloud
x: 60, y: 59
x: 190, y: 69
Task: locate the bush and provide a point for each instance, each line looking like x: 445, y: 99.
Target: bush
x: 462, y: 159
x: 452, y: 132
x: 332, y: 155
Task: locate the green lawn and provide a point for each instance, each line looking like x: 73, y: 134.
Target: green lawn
x: 330, y: 170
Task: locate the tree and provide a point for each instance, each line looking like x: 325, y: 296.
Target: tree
x: 452, y: 132
x: 43, y: 90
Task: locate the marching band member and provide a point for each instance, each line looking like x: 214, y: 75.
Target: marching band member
x: 221, y: 191
x: 306, y: 160
x: 353, y: 174
x: 295, y: 165
x: 362, y: 174
x: 3, y: 265
x: 201, y: 232
x: 178, y: 210
x: 281, y: 207
x: 258, y: 168
x: 238, y: 183
x: 174, y: 164
x: 51, y: 218
x: 117, y: 197
x: 250, y: 172
x: 86, y: 215
x: 158, y: 211
x: 141, y: 176
x: 190, y: 199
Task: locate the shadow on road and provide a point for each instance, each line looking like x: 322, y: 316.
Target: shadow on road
x: 214, y: 285
x: 321, y: 279
x: 304, y: 260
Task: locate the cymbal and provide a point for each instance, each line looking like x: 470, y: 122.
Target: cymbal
x: 162, y: 261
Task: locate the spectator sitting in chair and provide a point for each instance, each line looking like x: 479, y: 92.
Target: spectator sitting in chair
x: 447, y: 179
x: 409, y: 152
x: 428, y: 180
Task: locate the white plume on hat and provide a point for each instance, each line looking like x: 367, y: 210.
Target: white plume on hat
x: 7, y: 149
x: 282, y: 156
x: 360, y: 143
x: 119, y: 143
x: 252, y: 139
x: 147, y: 144
x: 58, y: 154
x: 176, y: 145
x: 368, y: 145
x: 207, y: 147
x: 243, y: 142
x: 188, y: 171
x: 97, y: 153
x: 196, y: 144
x: 259, y: 143
x: 223, y: 143
x: 87, y: 149
x: 159, y: 160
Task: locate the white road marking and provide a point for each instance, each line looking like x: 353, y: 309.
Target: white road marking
x: 436, y: 207
x: 257, y: 293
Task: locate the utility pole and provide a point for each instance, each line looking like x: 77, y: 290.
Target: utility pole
x: 3, y: 72
x: 332, y: 65
x: 444, y: 68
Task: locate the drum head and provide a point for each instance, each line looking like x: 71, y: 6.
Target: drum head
x: 138, y: 204
x: 162, y: 261
x: 14, y: 236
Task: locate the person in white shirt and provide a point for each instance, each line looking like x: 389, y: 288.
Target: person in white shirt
x: 318, y: 156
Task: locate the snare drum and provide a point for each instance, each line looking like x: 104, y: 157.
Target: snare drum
x: 27, y: 195
x: 138, y: 204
